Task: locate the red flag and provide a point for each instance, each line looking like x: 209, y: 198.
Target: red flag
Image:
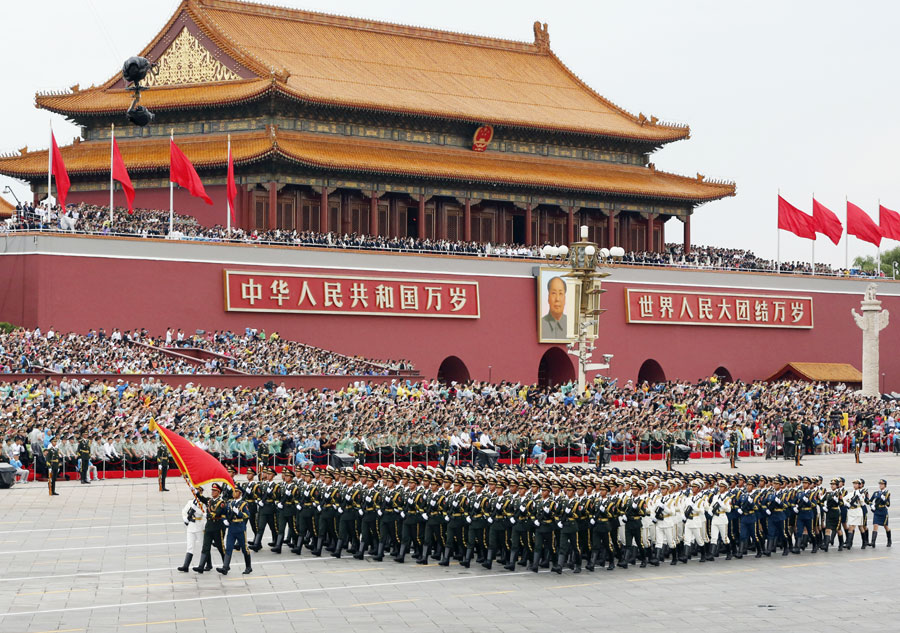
x: 792, y: 219
x: 230, y: 187
x: 889, y: 223
x: 60, y: 173
x: 861, y: 225
x: 826, y: 222
x: 182, y: 172
x: 121, y: 174
x: 199, y: 466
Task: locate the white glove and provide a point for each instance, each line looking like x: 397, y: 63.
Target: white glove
x: 360, y: 512
x: 499, y: 505
x: 280, y: 505
x: 521, y: 508
x: 796, y: 511
x: 455, y: 503
x: 559, y: 523
x: 512, y: 521
x: 368, y: 499
x: 805, y: 499
x: 306, y: 493
x: 259, y: 503
x: 402, y: 514
x: 347, y: 497
x: 777, y: 499
x: 425, y: 516
x: 568, y: 510
x: 380, y: 513
x: 319, y: 508
x: 592, y: 522
x: 468, y: 519
x: 537, y: 523
x: 226, y: 522
x: 769, y: 512
x: 490, y: 520
x: 633, y: 506
x: 433, y: 503
x: 740, y: 511
x: 340, y: 511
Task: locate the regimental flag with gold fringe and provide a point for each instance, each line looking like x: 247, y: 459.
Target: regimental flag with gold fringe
x: 198, y: 466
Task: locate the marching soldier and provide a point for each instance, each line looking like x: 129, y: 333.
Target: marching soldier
x: 410, y: 515
x: 720, y: 506
x: 569, y: 513
x: 162, y: 465
x: 265, y: 517
x: 327, y: 509
x: 54, y: 462
x: 370, y: 536
x: 834, y: 501
x: 458, y: 508
x: 389, y: 515
x: 307, y: 523
x: 479, y: 509
x: 350, y: 510
x: 285, y: 510
x: 249, y: 494
x: 520, y: 519
x: 194, y: 518
x: 213, y: 531
x: 236, y: 517
x: 881, y: 501
x: 545, y: 517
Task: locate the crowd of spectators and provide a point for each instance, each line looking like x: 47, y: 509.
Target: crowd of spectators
x: 138, y: 352
x: 147, y: 223
x: 408, y: 421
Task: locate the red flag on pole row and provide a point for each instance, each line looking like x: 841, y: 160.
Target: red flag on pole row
x: 792, y: 219
x: 196, y: 464
x: 861, y: 225
x: 231, y: 187
x: 826, y: 222
x: 182, y: 172
x: 889, y: 223
x: 60, y: 173
x: 120, y: 173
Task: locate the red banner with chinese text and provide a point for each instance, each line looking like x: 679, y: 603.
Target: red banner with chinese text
x: 327, y: 294
x: 710, y: 308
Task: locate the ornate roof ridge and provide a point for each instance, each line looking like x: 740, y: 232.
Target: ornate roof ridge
x: 539, y: 46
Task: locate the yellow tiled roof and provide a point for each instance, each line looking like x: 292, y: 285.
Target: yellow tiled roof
x: 337, y: 153
x: 6, y: 207
x: 821, y: 372
x: 375, y: 65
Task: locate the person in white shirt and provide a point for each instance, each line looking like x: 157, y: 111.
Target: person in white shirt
x: 194, y: 518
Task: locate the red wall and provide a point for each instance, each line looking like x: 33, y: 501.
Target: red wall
x: 79, y: 293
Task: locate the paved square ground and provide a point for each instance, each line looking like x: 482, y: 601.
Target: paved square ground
x: 102, y: 558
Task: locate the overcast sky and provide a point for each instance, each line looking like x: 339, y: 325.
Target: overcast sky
x: 797, y: 95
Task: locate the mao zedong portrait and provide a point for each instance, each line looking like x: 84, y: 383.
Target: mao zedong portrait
x: 553, y: 325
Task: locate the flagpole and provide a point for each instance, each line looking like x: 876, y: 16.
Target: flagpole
x: 171, y: 188
x: 112, y: 140
x: 49, y: 164
x: 778, y: 241
x: 846, y: 235
x: 814, y: 238
x: 878, y: 246
x: 227, y: 201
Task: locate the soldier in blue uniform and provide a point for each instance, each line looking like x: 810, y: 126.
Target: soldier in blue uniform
x: 776, y: 505
x: 805, y: 509
x: 747, y: 509
x: 881, y: 501
x: 237, y: 515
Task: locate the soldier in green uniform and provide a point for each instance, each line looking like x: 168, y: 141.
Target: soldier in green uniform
x: 521, y: 516
x: 307, y: 523
x: 569, y: 513
x: 84, y: 454
x: 602, y: 515
x: 457, y: 510
x: 262, y: 454
x: 499, y: 508
x: 635, y: 510
x: 54, y: 462
x: 370, y: 500
x: 285, y: 510
x: 350, y: 510
x: 545, y: 517
x: 734, y: 439
x: 410, y: 515
x: 327, y: 508
x: 859, y: 433
x: 389, y: 513
x: 250, y: 496
x: 433, y: 515
x: 268, y: 498
x: 477, y: 521
x: 162, y: 465
x: 213, y: 532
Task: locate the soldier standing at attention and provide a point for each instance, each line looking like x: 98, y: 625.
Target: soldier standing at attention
x: 734, y: 440
x: 162, y: 465
x: 84, y: 454
x: 237, y: 514
x: 53, y: 461
x: 858, y: 435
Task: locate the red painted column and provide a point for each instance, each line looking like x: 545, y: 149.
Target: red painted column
x: 649, y: 241
x: 570, y: 225
x: 421, y: 221
x: 528, y: 235
x: 373, y: 213
x: 323, y: 211
x: 611, y: 229
x: 687, y: 235
x: 272, y: 222
x: 467, y: 221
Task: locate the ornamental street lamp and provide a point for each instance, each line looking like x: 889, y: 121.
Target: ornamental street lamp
x: 8, y: 189
x: 582, y: 259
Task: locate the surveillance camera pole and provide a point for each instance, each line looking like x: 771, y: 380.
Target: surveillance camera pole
x: 582, y: 259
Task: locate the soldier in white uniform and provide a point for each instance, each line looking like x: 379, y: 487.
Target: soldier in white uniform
x: 695, y: 510
x: 194, y: 516
x: 664, y: 513
x: 855, y: 501
x: 719, y: 507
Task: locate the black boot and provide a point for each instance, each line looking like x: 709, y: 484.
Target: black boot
x: 577, y: 569
x: 445, y: 559
x: 338, y: 548
x: 511, y: 565
x: 674, y: 553
x: 257, y: 542
x: 380, y: 555
x: 401, y: 555
x: 360, y: 551
x: 187, y: 562
x: 643, y: 552
x: 467, y: 559
x: 610, y: 560
x: 488, y: 559
x: 840, y: 540
x: 872, y: 542
x: 863, y: 540
x: 825, y: 543
x: 201, y: 566
x: 651, y: 556
x: 557, y: 568
x: 318, y: 550
x: 535, y: 564
x: 849, y: 542
x: 815, y: 543
x: 276, y: 549
x: 592, y: 561
x: 247, y: 568
x: 888, y: 535
x: 226, y: 565
x: 682, y: 554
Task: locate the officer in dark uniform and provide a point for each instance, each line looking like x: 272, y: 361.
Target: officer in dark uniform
x: 84, y: 454
x: 602, y: 530
x: 389, y: 514
x: 350, y: 510
x: 162, y: 465
x: 881, y: 501
x: 214, y: 531
x: 268, y: 497
x: 477, y: 519
x: 569, y: 513
x: 635, y: 510
x: 327, y: 509
x: 54, y: 463
x: 285, y: 510
x: 734, y: 439
x: 669, y: 449
x: 370, y: 504
x: 746, y: 507
x: 520, y: 520
x: 457, y: 510
x: 249, y: 495
x: 237, y: 515
x: 307, y: 500
x: 859, y: 434
x: 410, y: 516
x: 262, y: 454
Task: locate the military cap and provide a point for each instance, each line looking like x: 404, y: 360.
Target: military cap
x: 723, y: 483
x: 287, y: 472
x: 217, y: 486
x: 882, y: 481
x: 251, y: 470
x: 696, y: 484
